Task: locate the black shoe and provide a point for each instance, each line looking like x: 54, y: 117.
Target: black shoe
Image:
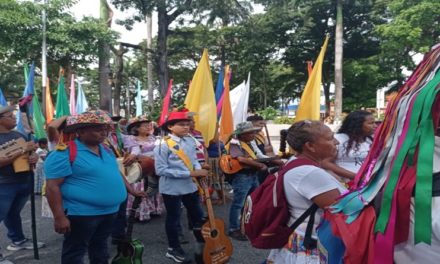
x: 237, y: 235
x: 178, y: 255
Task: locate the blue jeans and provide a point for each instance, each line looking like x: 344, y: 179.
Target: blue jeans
x: 13, y: 197
x: 88, y: 233
x: 173, y: 205
x: 242, y: 184
x: 120, y: 223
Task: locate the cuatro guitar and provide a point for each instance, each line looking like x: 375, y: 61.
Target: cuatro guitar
x: 218, y: 247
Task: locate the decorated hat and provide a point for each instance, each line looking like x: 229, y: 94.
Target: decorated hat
x: 245, y: 127
x: 87, y: 119
x: 6, y: 109
x: 136, y: 121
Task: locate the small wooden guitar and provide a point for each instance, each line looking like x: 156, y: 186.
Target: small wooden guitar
x: 230, y: 165
x: 13, y: 147
x: 218, y: 247
x: 130, y: 250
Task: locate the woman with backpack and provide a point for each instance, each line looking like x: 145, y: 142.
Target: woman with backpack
x: 307, y: 185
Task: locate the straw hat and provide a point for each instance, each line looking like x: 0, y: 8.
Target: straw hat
x: 87, y: 119
x: 136, y: 121
x: 245, y: 127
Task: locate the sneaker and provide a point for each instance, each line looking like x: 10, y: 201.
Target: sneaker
x: 5, y: 261
x: 237, y: 235
x: 178, y: 255
x: 24, y: 244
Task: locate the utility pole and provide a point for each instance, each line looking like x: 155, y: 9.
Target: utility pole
x: 339, y: 49
x: 149, y: 56
x: 44, y: 60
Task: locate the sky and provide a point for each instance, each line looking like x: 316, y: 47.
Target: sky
x: 135, y: 36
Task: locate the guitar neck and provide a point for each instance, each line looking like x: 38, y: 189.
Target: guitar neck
x: 208, y: 203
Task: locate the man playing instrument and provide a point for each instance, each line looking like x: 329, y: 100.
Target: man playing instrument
x: 15, y: 183
x: 245, y: 180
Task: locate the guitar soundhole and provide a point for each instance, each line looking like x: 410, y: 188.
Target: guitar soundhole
x: 214, y: 233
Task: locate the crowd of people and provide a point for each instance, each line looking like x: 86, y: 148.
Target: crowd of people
x: 79, y: 165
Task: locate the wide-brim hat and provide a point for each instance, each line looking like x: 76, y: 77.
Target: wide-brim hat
x: 182, y: 115
x: 87, y: 119
x: 6, y: 109
x: 245, y: 127
x: 136, y: 121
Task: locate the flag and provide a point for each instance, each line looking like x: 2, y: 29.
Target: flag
x: 227, y: 121
x: 49, y: 104
x: 166, y: 104
x: 219, y: 91
x: 309, y: 106
x: 201, y: 99
x: 81, y: 101
x: 23, y: 125
x: 72, y: 96
x: 239, y: 97
x: 3, y: 101
x: 62, y: 106
x: 138, y: 99
x: 38, y: 118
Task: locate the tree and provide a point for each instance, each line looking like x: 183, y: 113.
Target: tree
x: 105, y: 89
x: 168, y: 12
x: 71, y: 44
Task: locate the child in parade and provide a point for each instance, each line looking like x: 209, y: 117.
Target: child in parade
x: 177, y: 166
x: 39, y: 173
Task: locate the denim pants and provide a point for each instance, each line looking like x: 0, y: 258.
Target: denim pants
x: 88, y: 234
x: 13, y: 197
x: 194, y: 209
x: 120, y: 222
x: 242, y: 184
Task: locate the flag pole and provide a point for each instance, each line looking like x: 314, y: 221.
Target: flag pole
x: 44, y: 59
x: 26, y: 110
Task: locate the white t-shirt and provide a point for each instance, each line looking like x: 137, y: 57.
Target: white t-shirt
x: 352, y: 160
x: 303, y: 183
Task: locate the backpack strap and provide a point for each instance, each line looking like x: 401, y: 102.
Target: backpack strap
x: 73, y: 151
x: 309, y: 242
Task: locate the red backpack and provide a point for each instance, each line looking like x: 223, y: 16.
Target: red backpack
x: 266, y: 212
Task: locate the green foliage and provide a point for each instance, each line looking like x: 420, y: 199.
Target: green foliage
x: 71, y: 44
x: 268, y: 113
x: 284, y: 120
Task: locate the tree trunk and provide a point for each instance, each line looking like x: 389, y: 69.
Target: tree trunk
x: 105, y: 92
x: 149, y: 56
x: 162, y: 48
x: 338, y: 61
x: 119, y: 69
x: 327, y: 98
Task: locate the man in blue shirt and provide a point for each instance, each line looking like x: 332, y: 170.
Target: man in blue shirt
x: 85, y: 189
